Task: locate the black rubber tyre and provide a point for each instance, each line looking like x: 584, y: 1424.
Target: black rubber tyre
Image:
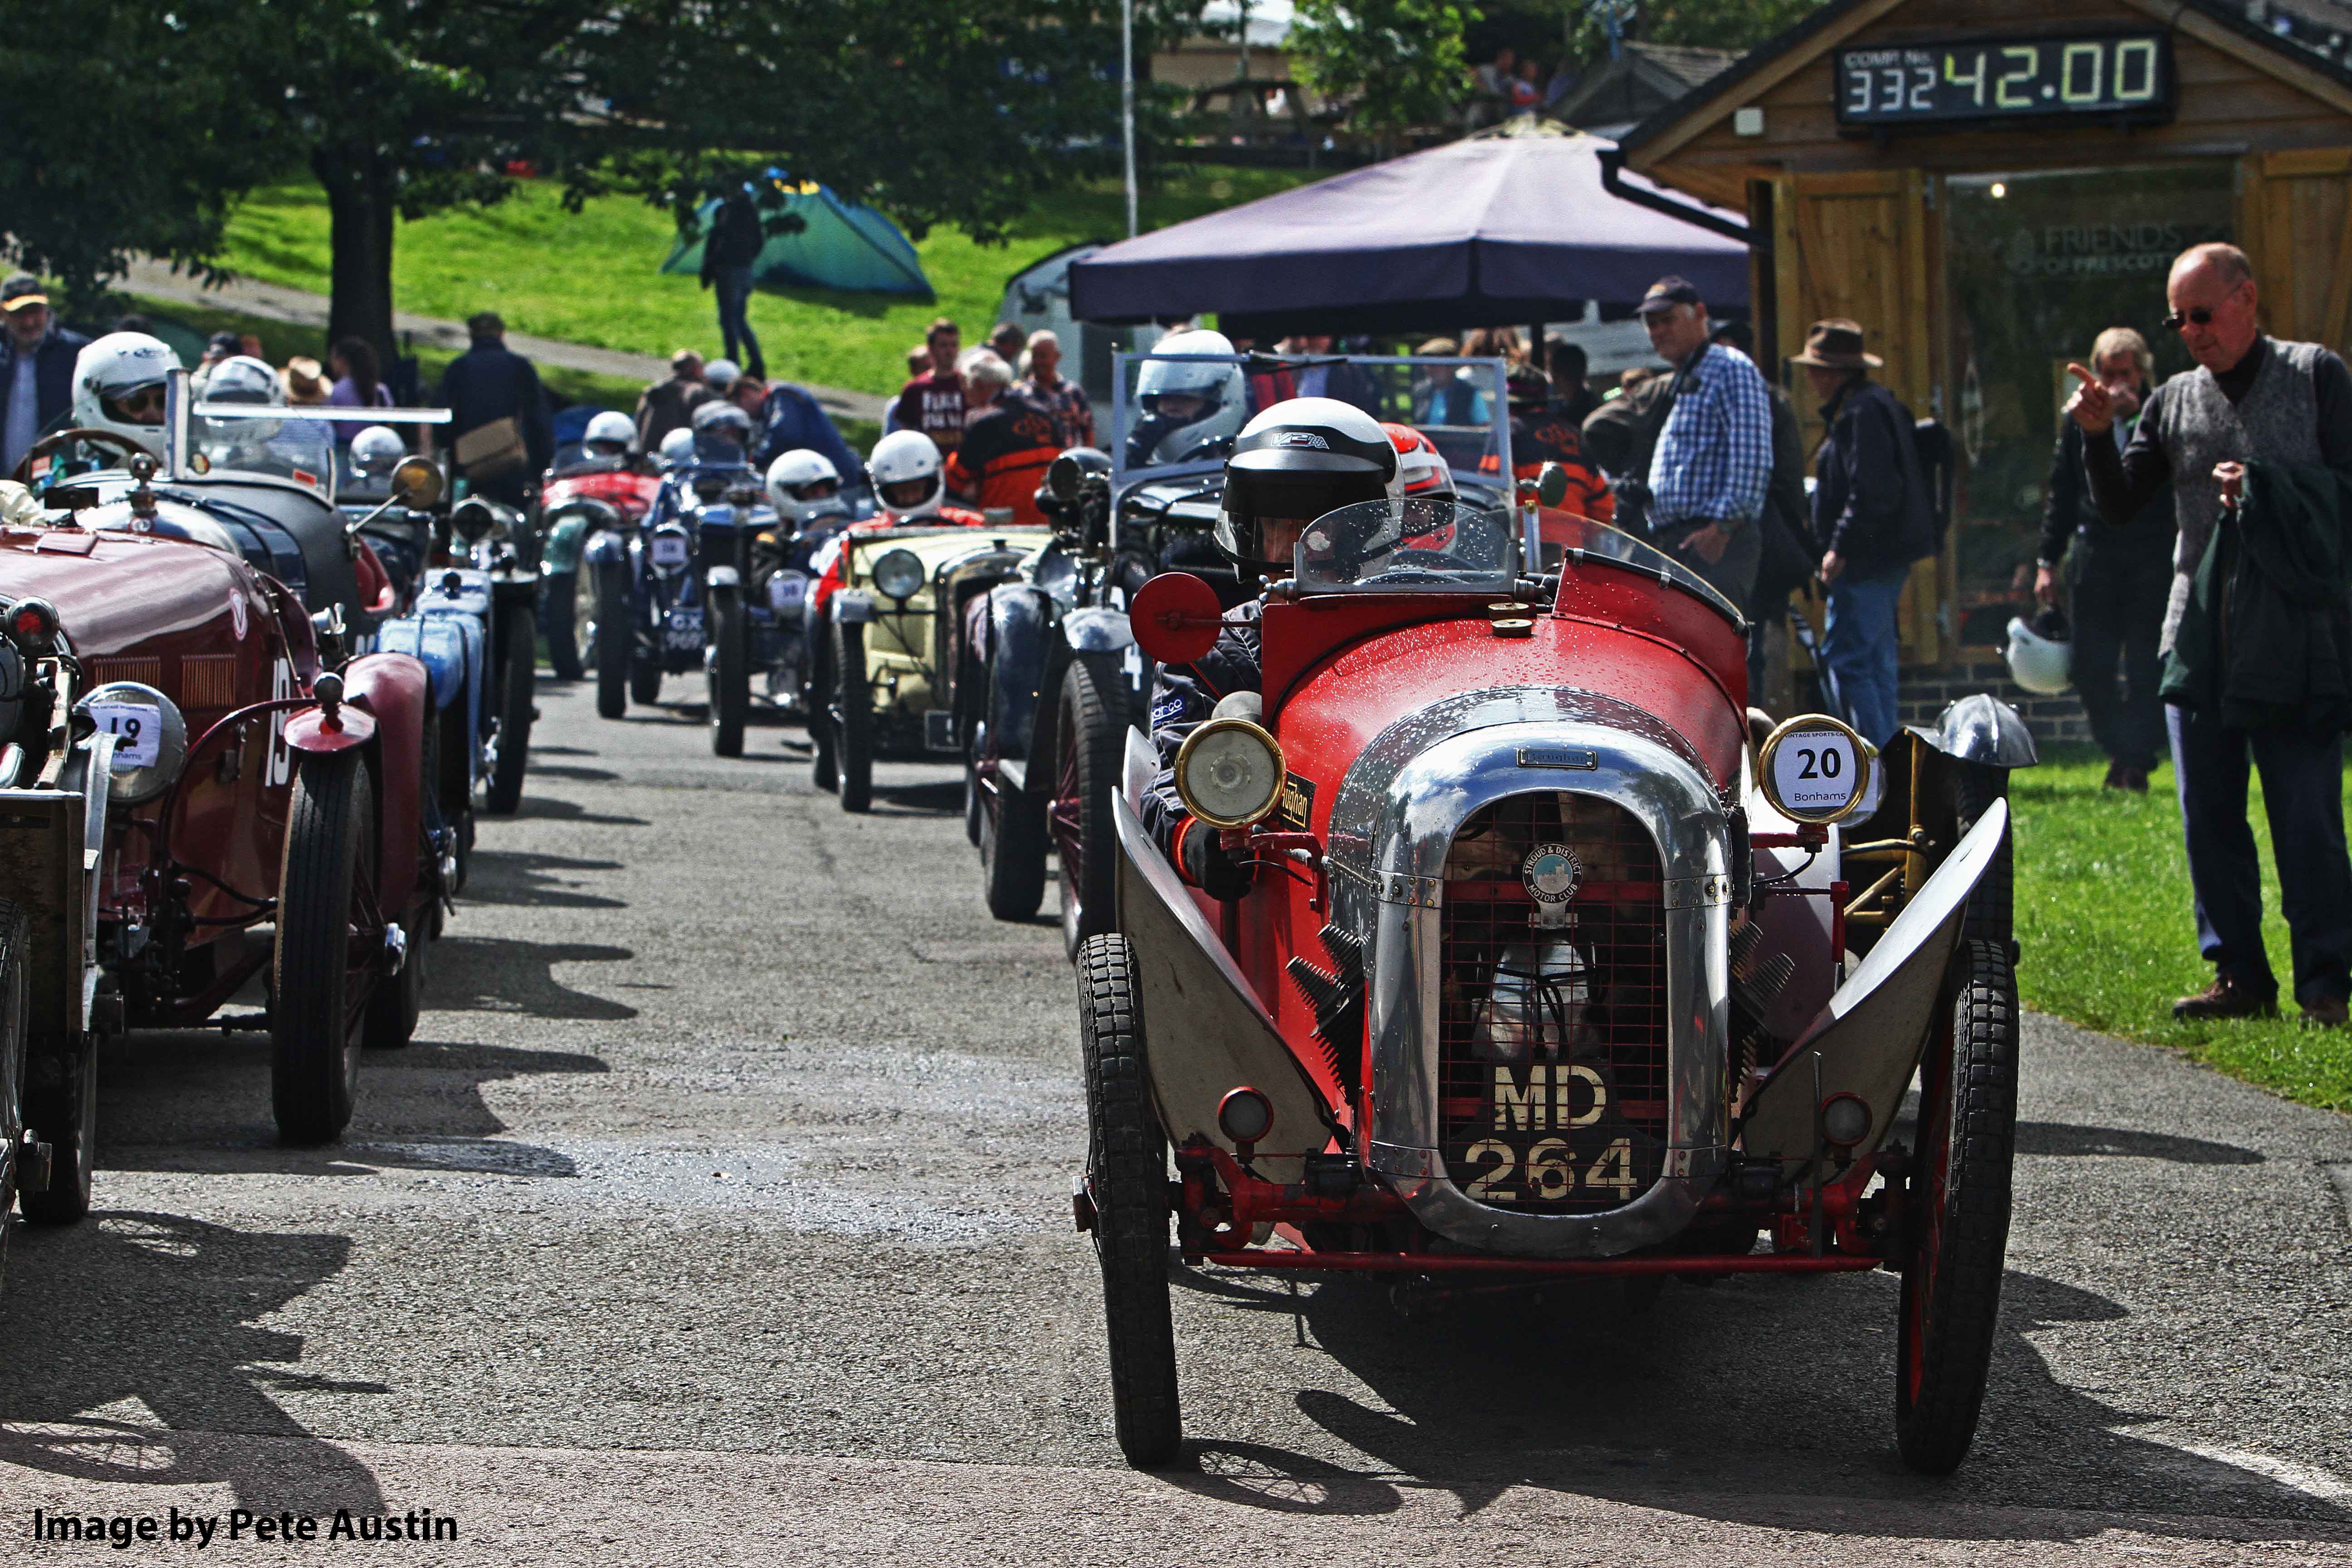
x: 394, y: 1007
x: 1012, y: 834
x: 1090, y: 742
x: 558, y: 614
x: 324, y: 892
x: 644, y: 683
x: 15, y: 1006
x: 730, y: 674
x: 1127, y: 1173
x: 1991, y: 912
x: 972, y: 807
x: 61, y: 1107
x: 518, y: 690
x: 1958, y: 1205
x: 614, y: 642
x: 853, y: 718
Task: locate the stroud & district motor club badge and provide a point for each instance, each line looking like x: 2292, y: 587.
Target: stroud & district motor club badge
x: 1551, y: 873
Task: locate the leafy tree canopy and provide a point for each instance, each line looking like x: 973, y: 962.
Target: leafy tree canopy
x: 1396, y: 62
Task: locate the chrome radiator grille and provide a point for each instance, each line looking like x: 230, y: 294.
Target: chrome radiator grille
x: 1552, y: 1060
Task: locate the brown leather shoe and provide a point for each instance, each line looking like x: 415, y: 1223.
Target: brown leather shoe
x: 2325, y: 1013
x: 2135, y: 780
x: 2115, y: 779
x: 2227, y: 998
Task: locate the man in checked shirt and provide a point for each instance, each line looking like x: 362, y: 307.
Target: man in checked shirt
x: 1713, y: 462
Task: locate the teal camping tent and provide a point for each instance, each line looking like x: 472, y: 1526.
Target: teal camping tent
x: 836, y: 244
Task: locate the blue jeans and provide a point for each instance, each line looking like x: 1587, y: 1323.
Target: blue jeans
x: 733, y: 286
x: 2303, y: 795
x: 1859, y: 647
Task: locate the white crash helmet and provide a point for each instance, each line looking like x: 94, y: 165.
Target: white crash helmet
x: 2040, y: 656
x: 677, y: 446
x: 1297, y: 461
x: 806, y: 486
x: 901, y: 461
x: 721, y: 373
x: 722, y: 434
x: 376, y: 450
x: 116, y: 367
x: 1184, y: 408
x: 245, y: 379
x: 608, y: 435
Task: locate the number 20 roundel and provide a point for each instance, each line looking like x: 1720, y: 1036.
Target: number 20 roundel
x: 1813, y: 769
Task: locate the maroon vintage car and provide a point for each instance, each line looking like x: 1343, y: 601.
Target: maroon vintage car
x: 1552, y: 960
x: 259, y: 806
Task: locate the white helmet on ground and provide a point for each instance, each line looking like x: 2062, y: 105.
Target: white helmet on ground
x: 721, y: 373
x: 609, y: 435
x: 907, y: 471
x: 1186, y: 408
x: 677, y: 446
x: 1292, y: 464
x: 806, y: 486
x: 2042, y: 654
x: 117, y: 385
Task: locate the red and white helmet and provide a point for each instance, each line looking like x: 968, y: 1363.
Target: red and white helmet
x: 1423, y: 472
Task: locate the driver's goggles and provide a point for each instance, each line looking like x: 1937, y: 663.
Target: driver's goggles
x: 907, y: 492
x: 147, y: 399
x: 817, y: 490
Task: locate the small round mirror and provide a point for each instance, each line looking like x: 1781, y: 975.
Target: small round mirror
x: 1552, y: 485
x: 1175, y: 617
x: 416, y: 481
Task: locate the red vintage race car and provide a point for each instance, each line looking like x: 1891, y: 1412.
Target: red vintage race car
x: 257, y: 811
x: 1551, y: 961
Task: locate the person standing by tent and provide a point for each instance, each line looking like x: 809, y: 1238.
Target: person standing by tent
x: 934, y: 402
x: 729, y: 253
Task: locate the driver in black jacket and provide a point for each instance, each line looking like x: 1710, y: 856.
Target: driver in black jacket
x: 1292, y: 464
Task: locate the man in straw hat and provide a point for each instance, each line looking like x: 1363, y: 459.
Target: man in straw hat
x: 1873, y: 516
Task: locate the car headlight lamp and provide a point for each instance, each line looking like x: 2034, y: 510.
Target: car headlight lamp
x: 1229, y: 772
x: 1815, y: 770
x: 899, y: 575
x: 150, y: 738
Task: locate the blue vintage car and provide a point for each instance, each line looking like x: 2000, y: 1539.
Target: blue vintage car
x: 675, y: 588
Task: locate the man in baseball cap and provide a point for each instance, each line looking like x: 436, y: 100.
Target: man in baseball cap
x: 37, y: 362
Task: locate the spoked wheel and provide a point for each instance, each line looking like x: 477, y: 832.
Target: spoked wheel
x: 1090, y: 737
x: 1127, y: 1175
x: 517, y: 689
x: 330, y: 939
x: 853, y: 717
x: 730, y: 674
x: 1959, y: 1207
x: 611, y: 636
x: 1012, y: 841
x: 565, y: 620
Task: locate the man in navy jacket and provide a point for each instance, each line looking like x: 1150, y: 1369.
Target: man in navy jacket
x: 36, y: 363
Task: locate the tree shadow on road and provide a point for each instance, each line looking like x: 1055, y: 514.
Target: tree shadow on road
x: 162, y: 1310
x: 1732, y: 1403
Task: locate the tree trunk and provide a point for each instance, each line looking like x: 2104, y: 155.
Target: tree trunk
x: 362, y: 212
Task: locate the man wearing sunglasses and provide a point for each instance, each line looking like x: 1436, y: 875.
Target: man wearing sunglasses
x: 2288, y: 406
x: 36, y: 364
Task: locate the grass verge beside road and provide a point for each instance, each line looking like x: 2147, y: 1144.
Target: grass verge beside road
x: 589, y: 278
x: 2108, y: 938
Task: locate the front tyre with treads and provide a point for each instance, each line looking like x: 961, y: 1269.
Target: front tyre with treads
x: 1958, y: 1208
x: 613, y: 641
x: 559, y: 620
x: 1091, y: 738
x: 730, y: 674
x: 1990, y: 917
x: 518, y: 690
x: 323, y: 964
x: 853, y: 717
x: 1127, y: 1176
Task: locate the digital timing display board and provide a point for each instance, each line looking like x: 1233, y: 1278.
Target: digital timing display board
x: 1977, y: 79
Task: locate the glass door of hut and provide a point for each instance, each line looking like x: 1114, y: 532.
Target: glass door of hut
x: 2036, y: 266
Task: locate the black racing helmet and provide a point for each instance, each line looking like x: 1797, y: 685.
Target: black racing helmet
x: 1293, y: 463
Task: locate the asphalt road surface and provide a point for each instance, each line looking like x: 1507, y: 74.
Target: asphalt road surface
x: 720, y: 1215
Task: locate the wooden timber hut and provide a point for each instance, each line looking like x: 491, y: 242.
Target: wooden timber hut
x: 1986, y: 185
